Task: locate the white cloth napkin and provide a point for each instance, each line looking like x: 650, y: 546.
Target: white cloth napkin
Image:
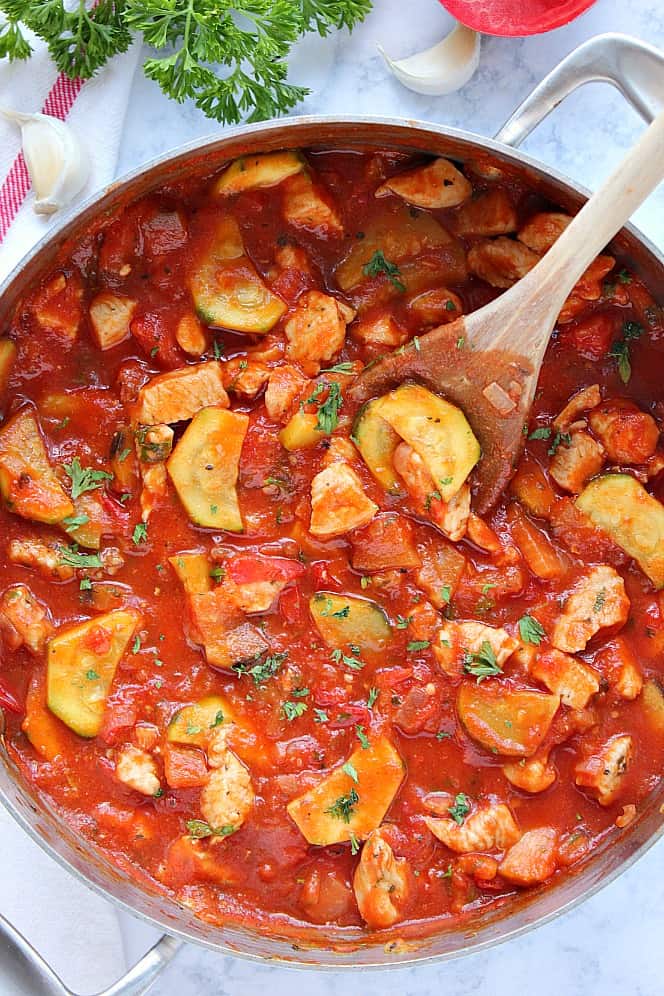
x: 78, y: 933
x: 96, y: 115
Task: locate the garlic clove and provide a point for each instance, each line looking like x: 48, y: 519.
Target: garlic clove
x: 57, y: 163
x: 442, y: 69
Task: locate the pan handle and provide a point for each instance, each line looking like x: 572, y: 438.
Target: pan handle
x: 632, y: 66
x: 23, y: 970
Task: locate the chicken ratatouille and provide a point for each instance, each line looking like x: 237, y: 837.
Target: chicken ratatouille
x: 256, y: 643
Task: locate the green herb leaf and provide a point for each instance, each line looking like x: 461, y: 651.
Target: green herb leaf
x: 379, y: 264
x: 414, y: 645
x: 372, y: 697
x: 350, y: 770
x: 362, y: 737
x: 328, y: 412
x: 531, y: 631
x: 140, y: 533
x: 460, y: 809
x: 70, y: 557
x: 542, y: 432
x: 292, y: 710
x: 344, y: 806
x: 483, y: 664
x: 84, y: 478
x: 72, y: 522
x: 559, y: 438
x: 320, y: 716
x: 354, y: 844
x: 200, y: 829
x: 262, y: 672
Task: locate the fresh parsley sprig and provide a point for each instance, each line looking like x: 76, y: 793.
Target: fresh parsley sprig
x: 248, y: 40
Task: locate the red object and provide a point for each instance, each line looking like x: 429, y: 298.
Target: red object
x: 9, y: 701
x: 250, y: 570
x: 516, y: 17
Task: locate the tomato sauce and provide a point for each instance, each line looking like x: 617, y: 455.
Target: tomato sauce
x: 291, y: 704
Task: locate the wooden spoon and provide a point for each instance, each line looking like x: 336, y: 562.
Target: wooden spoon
x: 488, y: 362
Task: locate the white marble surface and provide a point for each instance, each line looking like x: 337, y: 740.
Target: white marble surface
x: 612, y: 945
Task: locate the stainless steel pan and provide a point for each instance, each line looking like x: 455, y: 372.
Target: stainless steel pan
x: 637, y: 70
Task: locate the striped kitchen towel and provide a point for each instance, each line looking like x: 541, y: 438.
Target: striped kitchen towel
x: 95, y: 109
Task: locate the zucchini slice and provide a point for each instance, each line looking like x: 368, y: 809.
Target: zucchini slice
x: 376, y: 440
x: 28, y: 483
x: 81, y: 663
x: 634, y: 520
x: 195, y: 724
x: 250, y: 172
x: 344, y: 619
x: 506, y: 722
x: 438, y: 431
x: 228, y: 292
x: 204, y: 468
x: 343, y: 806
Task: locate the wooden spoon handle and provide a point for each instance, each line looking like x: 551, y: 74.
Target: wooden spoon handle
x: 546, y: 287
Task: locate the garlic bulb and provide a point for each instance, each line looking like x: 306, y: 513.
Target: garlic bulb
x: 444, y: 68
x: 56, y: 161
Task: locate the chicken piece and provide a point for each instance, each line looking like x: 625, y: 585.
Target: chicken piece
x: 618, y: 663
x: 257, y: 596
x: 179, y: 394
x: 137, y: 769
x: 380, y: 883
x: 304, y: 206
x: 502, y: 261
x: 424, y: 621
x: 574, y: 463
x: 338, y: 502
x: 46, y: 560
x: 541, y: 231
x: 531, y: 774
x: 57, y: 306
x: 190, y: 335
x: 292, y: 257
x: 228, y: 796
x: 603, y: 770
x: 574, y: 681
x: 490, y: 828
x: 452, y: 516
x: 110, y: 317
x: 155, y: 487
x: 532, y: 859
x: 482, y: 535
x: 25, y: 617
x: 340, y: 450
x: 597, y: 601
x: 379, y: 330
x: 588, y: 288
x: 582, y: 401
x: 491, y: 213
x: 437, y: 306
x: 459, y: 640
x: 439, y: 184
x: 316, y: 329
x: 628, y: 434
x: 245, y: 377
x: 154, y: 443
x: 285, y: 385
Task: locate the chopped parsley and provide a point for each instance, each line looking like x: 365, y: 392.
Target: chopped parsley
x: 85, y: 585
x: 433, y: 496
x: 328, y: 411
x: 339, y: 368
x: 136, y: 645
x: 531, y: 631
x: 599, y: 600
x: 365, y: 582
x: 362, y: 737
x: 263, y: 671
x: 445, y: 594
x: 140, y: 533
x: 354, y: 663
x: 217, y: 573
x: 293, y: 710
x: 91, y: 675
x: 72, y: 522
x: 349, y: 769
x: 371, y: 698
x: 84, y: 478
x: 460, y: 809
x: 483, y: 664
x: 559, y: 437
x: 199, y: 829
x: 414, y: 645
x: 344, y: 807
x: 379, y: 264
x: 354, y: 844
x: 320, y: 716
x: 218, y: 719
x: 620, y: 350
x: 70, y: 557
x: 403, y: 623
x: 542, y: 432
